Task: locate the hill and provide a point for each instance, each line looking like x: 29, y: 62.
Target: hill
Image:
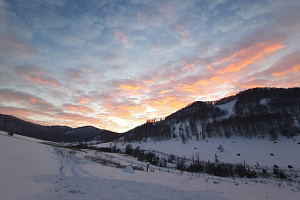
x: 258, y: 112
x: 55, y: 133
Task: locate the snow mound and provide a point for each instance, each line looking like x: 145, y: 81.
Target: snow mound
x: 128, y: 169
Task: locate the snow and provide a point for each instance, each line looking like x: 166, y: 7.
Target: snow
x: 229, y: 107
x: 252, y: 151
x: 20, y: 161
x: 263, y: 101
x: 31, y: 170
x: 128, y: 169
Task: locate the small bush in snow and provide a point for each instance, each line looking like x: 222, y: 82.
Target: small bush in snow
x: 221, y: 148
x: 129, y: 149
x: 10, y: 134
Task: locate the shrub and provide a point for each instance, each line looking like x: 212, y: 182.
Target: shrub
x: 128, y: 149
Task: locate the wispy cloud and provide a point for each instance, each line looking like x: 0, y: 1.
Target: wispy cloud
x: 37, y: 75
x: 78, y: 108
x: 245, y: 57
x: 121, y: 36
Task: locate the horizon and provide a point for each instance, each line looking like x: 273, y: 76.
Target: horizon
x: 114, y: 65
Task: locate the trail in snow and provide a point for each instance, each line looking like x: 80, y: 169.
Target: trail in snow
x: 76, y: 182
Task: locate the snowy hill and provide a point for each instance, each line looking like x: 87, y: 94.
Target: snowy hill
x: 259, y: 112
x: 31, y: 170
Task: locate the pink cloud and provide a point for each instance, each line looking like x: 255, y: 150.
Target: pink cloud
x: 189, y: 65
x: 293, y: 69
x: 285, y: 68
x: 22, y: 99
x: 122, y: 36
x: 36, y: 74
x: 290, y: 64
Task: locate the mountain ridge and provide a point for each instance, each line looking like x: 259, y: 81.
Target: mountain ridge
x: 55, y: 133
x: 256, y: 112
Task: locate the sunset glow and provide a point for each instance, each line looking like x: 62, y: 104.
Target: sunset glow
x: 116, y: 64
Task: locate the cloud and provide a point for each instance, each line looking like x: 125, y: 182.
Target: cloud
x: 228, y: 24
x: 79, y: 75
x: 13, y: 48
x: 241, y: 59
x: 128, y: 86
x: 164, y: 105
x: 25, y: 100
x: 254, y: 83
x: 293, y: 69
x: 164, y: 41
x: 37, y: 75
x: 249, y: 10
x: 121, y: 36
x: 78, y: 108
x: 47, y: 21
x: 187, y: 65
x: 283, y: 73
x: 287, y: 65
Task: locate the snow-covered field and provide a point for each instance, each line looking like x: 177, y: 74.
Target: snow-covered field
x: 251, y: 151
x: 31, y: 170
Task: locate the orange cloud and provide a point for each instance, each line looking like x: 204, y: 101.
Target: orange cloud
x: 130, y: 87
x: 122, y: 36
x: 83, y: 101
x: 36, y: 74
x: 43, y: 80
x: 187, y: 65
x: 192, y: 87
x: 125, y: 110
x: 33, y: 100
x: 150, y: 81
x: 294, y: 69
x: 22, y: 99
x: 165, y: 91
x: 244, y: 57
x: 130, y: 108
x: 168, y: 102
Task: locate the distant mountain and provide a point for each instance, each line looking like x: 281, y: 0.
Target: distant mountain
x: 55, y: 133
x: 258, y: 112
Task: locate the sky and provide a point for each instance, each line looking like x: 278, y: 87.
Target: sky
x: 115, y: 64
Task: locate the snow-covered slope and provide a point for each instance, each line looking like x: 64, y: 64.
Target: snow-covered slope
x: 22, y: 163
x: 31, y: 170
x: 251, y: 151
x: 228, y: 107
